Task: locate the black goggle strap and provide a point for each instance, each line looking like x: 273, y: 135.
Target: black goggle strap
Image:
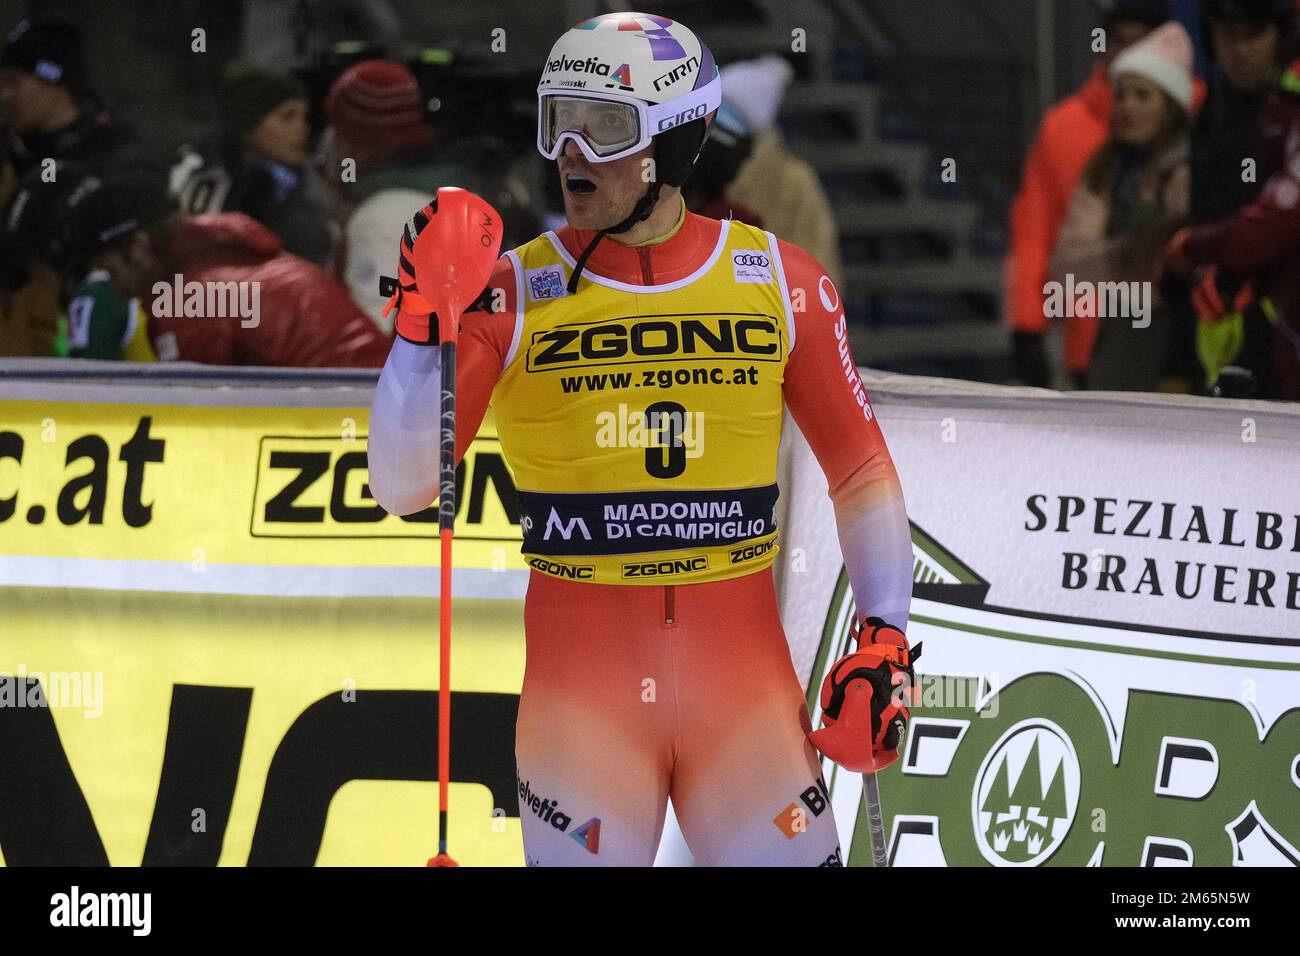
x: 645, y: 205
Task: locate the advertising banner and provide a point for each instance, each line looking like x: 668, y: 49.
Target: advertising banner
x: 1107, y: 591
x: 215, y: 648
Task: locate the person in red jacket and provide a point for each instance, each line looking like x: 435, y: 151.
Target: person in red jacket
x: 1070, y: 133
x: 218, y: 288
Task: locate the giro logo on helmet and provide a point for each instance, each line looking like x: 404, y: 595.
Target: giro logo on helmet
x: 677, y: 72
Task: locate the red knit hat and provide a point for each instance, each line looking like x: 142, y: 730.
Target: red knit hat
x: 376, y: 107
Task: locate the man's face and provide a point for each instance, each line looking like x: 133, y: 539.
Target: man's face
x: 1120, y: 36
x: 27, y: 100
x: 1246, y: 52
x: 599, y: 195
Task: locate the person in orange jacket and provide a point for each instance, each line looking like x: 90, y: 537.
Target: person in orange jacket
x: 1070, y: 133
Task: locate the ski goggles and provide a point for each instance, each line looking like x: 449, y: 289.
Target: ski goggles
x: 607, y: 127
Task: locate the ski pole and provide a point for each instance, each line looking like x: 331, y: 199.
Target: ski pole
x: 452, y: 258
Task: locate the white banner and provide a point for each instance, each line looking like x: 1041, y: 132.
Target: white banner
x: 1108, y: 595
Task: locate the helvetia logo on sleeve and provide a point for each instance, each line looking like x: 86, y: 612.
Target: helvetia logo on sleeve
x: 548, y: 811
x: 543, y: 808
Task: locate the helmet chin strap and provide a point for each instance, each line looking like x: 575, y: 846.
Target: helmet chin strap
x: 641, y: 211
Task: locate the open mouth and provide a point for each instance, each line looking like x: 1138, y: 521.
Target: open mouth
x: 578, y: 185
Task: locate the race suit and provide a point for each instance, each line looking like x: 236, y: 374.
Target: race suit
x: 656, y: 661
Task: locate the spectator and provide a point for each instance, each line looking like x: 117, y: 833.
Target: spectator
x: 29, y: 283
x: 1249, y: 264
x: 378, y: 121
x: 261, y: 166
x: 1132, y: 196
x: 724, y: 153
x: 379, y: 124
x: 52, y: 115
x: 780, y: 188
x: 1249, y: 42
x: 52, y: 112
x: 1070, y: 133
x: 220, y: 288
x: 98, y: 323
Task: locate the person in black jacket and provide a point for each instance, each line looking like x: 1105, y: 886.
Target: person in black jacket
x: 51, y: 110
x: 265, y: 135
x: 52, y: 120
x: 1250, y: 43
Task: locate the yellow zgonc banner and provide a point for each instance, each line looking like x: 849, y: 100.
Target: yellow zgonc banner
x: 216, y: 648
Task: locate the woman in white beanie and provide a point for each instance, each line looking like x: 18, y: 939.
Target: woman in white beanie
x: 1132, y: 196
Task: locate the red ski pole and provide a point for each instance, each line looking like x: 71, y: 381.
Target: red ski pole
x: 453, y: 257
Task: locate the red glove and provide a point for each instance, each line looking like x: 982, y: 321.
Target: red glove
x: 865, y: 697
x: 1217, y: 295
x: 413, y: 310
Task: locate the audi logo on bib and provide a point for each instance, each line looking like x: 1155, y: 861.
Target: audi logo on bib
x: 751, y: 265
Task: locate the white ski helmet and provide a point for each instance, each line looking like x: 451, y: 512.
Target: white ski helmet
x: 616, y: 82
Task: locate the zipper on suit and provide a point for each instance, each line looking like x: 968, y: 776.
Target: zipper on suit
x: 647, y: 273
x: 670, y: 604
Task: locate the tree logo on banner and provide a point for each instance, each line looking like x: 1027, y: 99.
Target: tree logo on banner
x: 1026, y: 794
